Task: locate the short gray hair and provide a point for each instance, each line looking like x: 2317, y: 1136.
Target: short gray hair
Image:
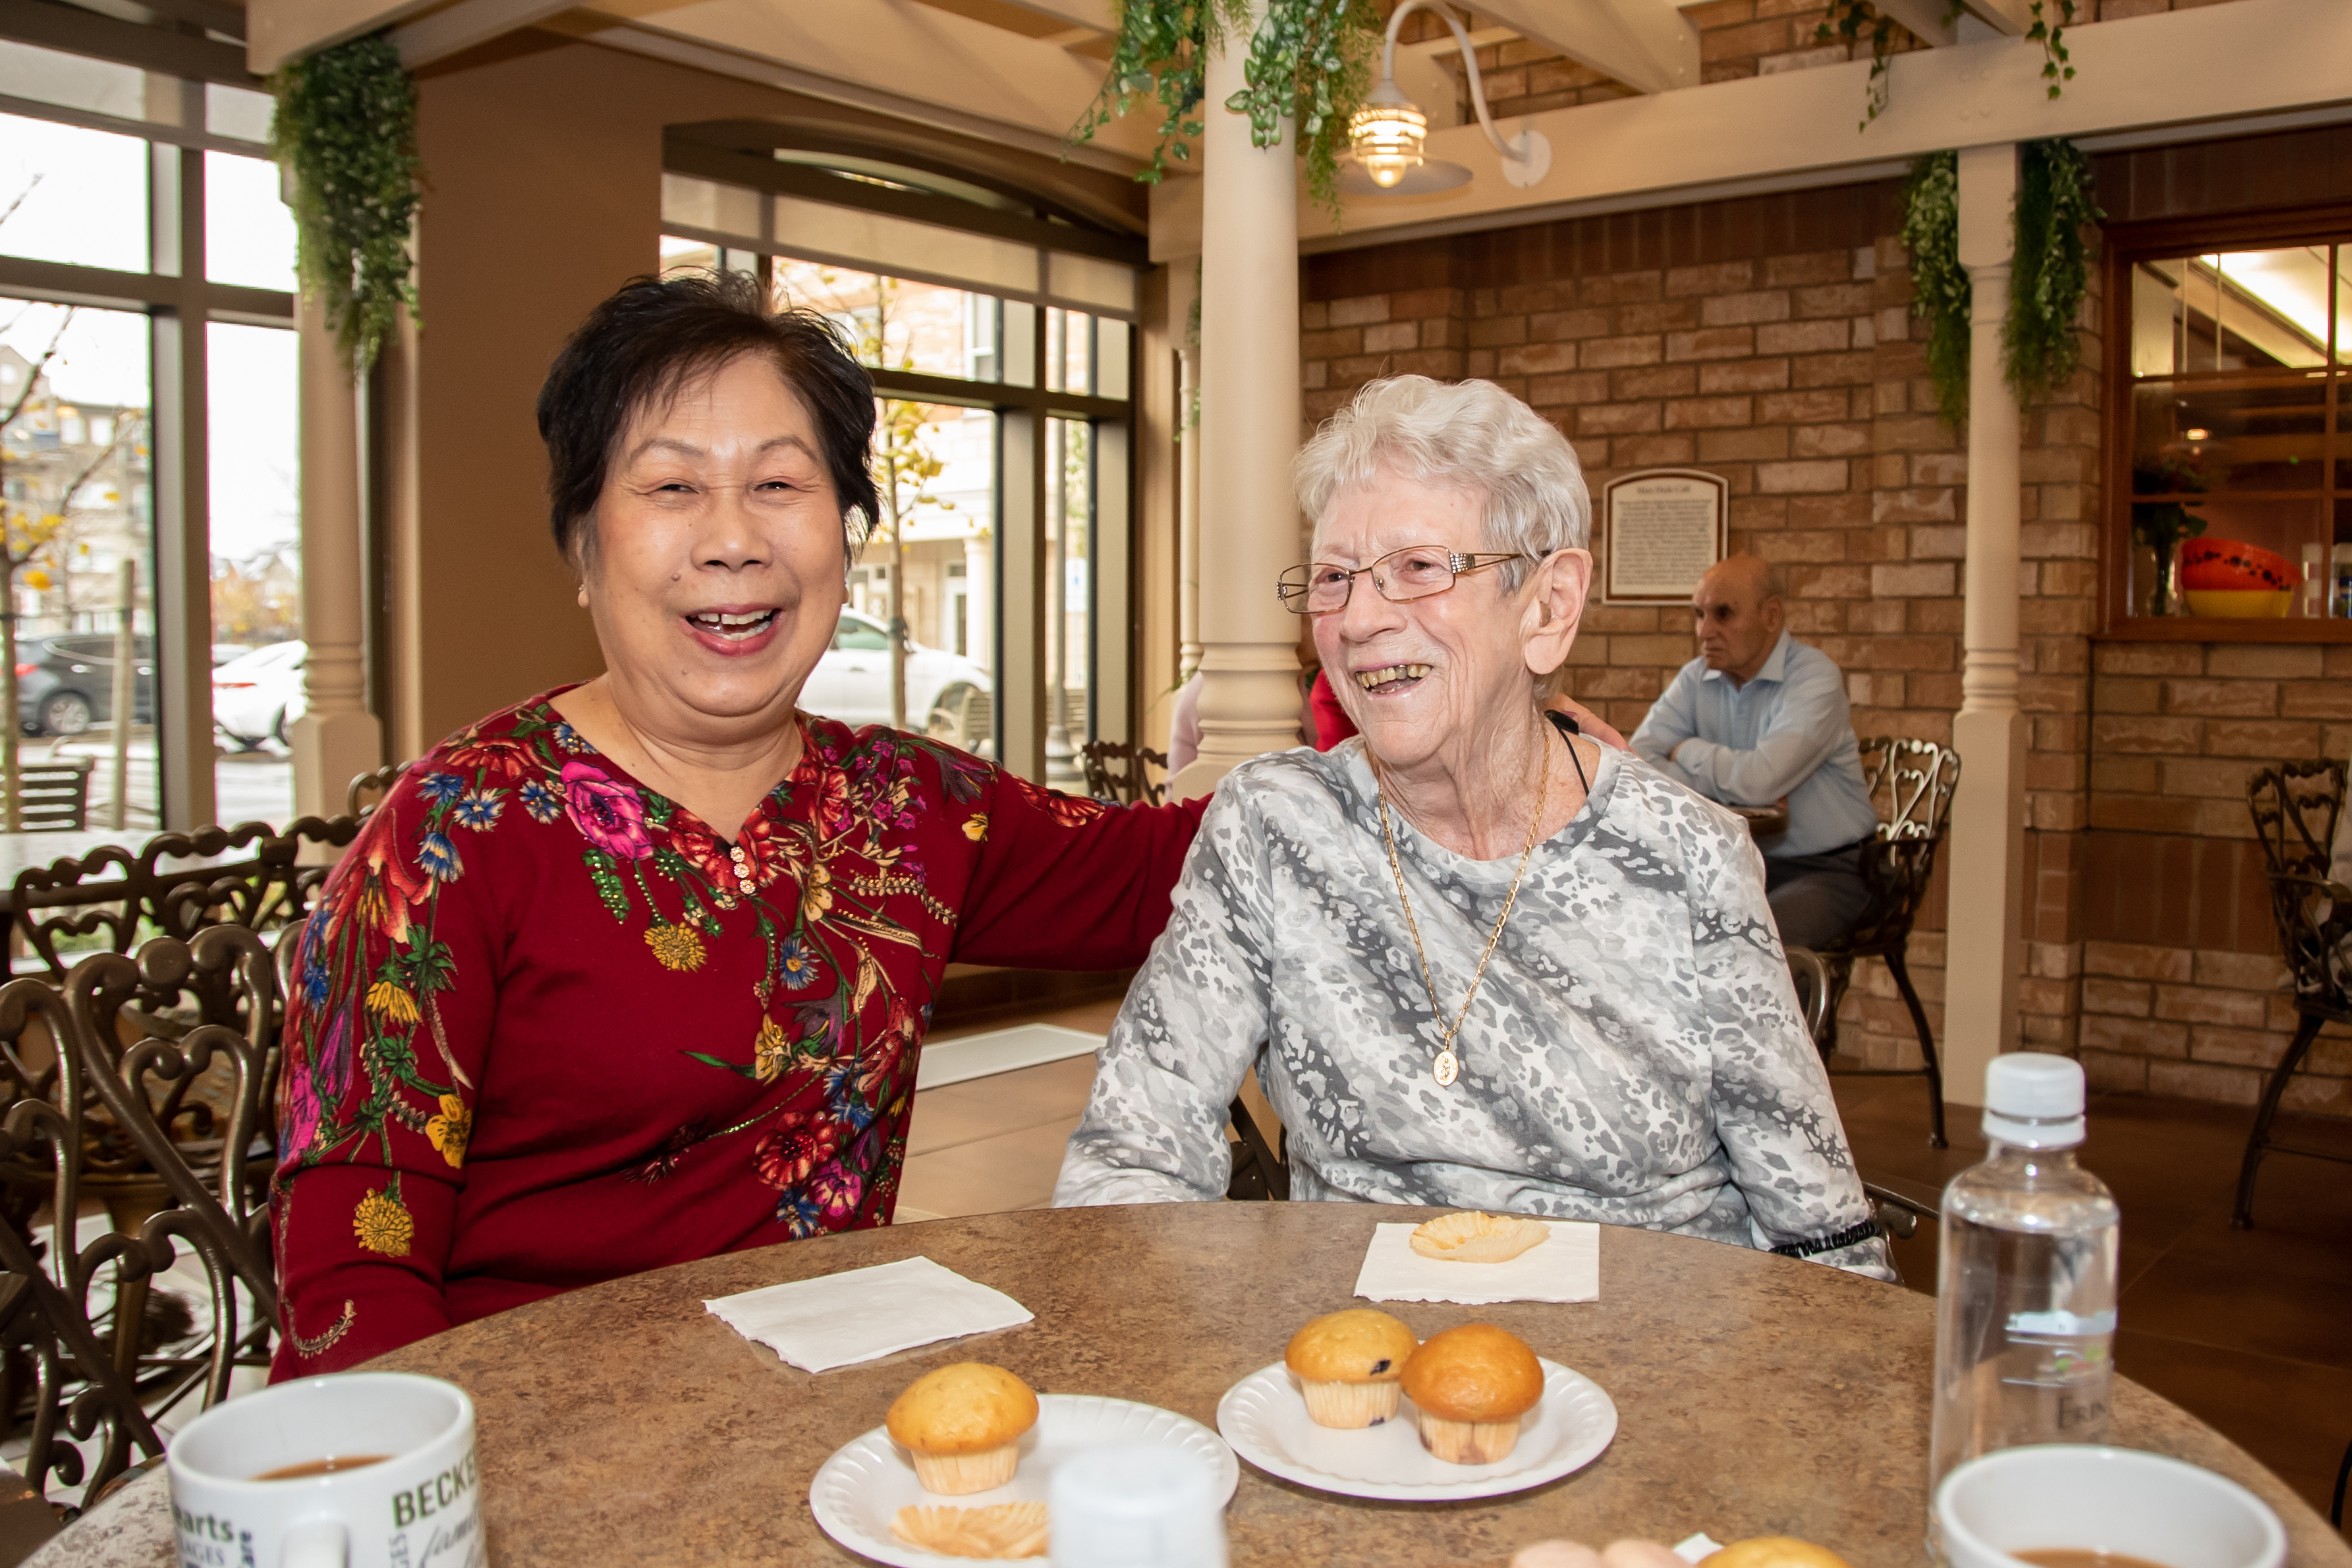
x: 1466, y: 433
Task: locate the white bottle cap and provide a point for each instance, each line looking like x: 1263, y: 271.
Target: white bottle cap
x: 1136, y: 1505
x: 2034, y: 1100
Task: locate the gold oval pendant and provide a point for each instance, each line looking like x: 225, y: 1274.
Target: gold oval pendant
x: 1448, y: 1068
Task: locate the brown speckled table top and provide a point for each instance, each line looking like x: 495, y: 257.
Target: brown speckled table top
x: 1755, y: 1395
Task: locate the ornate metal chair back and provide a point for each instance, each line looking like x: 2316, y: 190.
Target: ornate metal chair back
x: 1912, y: 784
x: 1119, y: 771
x: 1811, y: 979
x: 71, y: 899
x: 370, y: 788
x: 2296, y: 807
x: 276, y: 890
x: 92, y: 1118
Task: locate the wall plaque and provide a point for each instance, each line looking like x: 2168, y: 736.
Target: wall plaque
x: 1660, y: 530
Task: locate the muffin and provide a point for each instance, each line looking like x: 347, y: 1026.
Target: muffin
x: 1469, y: 1386
x: 963, y: 1424
x: 1474, y: 1237
x: 1773, y: 1552
x: 1348, y: 1363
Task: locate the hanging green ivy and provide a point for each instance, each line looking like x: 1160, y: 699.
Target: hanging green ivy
x: 346, y: 135
x: 1939, y: 284
x: 2049, y: 277
x: 1847, y: 20
x: 2051, y: 273
x: 1310, y: 60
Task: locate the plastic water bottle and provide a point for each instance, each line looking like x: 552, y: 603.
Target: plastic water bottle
x: 2025, y: 1293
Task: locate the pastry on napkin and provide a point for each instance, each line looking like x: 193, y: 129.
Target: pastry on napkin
x: 1565, y: 1267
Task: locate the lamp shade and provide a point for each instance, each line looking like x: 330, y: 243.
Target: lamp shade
x: 1387, y: 133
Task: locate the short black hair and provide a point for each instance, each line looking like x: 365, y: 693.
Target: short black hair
x: 658, y: 334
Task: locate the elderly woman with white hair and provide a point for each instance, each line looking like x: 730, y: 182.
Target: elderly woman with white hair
x: 1478, y: 960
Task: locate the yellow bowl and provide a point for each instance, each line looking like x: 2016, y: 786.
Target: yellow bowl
x: 2239, y: 603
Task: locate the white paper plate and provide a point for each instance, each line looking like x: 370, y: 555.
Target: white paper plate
x: 864, y: 1484
x: 1264, y: 1417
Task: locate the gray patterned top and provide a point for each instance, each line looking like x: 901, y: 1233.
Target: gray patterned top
x: 1635, y: 1055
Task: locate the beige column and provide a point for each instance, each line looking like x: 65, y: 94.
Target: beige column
x: 1986, y: 944
x: 337, y: 738
x: 1249, y: 431
x: 1183, y: 323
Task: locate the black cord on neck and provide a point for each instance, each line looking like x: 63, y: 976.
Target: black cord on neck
x: 1569, y: 731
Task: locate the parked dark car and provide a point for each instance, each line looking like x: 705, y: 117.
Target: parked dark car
x: 65, y: 683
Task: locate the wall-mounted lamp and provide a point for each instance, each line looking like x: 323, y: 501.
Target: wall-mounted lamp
x: 1387, y: 133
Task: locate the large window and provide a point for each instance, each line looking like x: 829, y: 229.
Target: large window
x: 146, y: 271
x: 2232, y: 463
x: 1001, y: 435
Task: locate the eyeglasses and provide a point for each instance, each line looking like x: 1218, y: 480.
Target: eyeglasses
x: 1416, y: 571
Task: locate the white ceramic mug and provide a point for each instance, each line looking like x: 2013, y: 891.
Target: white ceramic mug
x: 417, y: 1507
x: 2065, y: 1497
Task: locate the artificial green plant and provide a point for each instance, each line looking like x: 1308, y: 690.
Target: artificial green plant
x: 1309, y: 60
x: 345, y: 134
x: 1847, y: 20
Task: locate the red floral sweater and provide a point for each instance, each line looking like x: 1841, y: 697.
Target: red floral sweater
x: 549, y: 1029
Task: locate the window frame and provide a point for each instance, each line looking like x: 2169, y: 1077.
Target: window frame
x: 2125, y: 246
x: 179, y: 309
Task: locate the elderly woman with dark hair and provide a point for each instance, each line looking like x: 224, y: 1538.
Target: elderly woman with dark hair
x: 636, y: 971
x: 1478, y: 960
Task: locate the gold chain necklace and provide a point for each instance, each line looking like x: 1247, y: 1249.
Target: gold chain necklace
x: 1448, y: 1065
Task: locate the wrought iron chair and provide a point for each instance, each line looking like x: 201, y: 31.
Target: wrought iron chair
x: 90, y: 1116
x: 372, y: 787
x: 117, y: 894
x: 1913, y: 781
x: 2295, y: 808
x: 1898, y: 1214
x: 1118, y: 770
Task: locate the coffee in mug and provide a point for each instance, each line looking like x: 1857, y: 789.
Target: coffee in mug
x: 2065, y: 1505
x: 361, y: 1469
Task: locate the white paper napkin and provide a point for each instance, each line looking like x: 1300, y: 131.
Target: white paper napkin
x: 1697, y: 1548
x: 1566, y: 1267
x: 837, y: 1320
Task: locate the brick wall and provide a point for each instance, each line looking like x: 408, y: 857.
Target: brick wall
x: 1770, y: 340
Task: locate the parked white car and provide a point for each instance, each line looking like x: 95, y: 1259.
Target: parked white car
x: 947, y: 694
x: 258, y: 694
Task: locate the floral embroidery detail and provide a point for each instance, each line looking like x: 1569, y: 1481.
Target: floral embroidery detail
x: 608, y: 814
x: 837, y: 1192
x: 816, y: 894
x: 796, y: 963
x: 478, y: 809
x: 569, y: 739
x: 798, y: 1142
x: 543, y: 804
x: 383, y: 1223
x: 389, y: 1002
x: 770, y: 1048
x: 312, y: 1347
x: 383, y: 889
x: 503, y: 758
x: 975, y: 827
x: 677, y: 947
x: 439, y: 858
x: 450, y: 1131
x: 439, y: 788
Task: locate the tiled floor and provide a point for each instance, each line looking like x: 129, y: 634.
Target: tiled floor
x: 2249, y: 1329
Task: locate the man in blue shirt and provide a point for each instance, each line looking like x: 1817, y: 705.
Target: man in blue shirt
x: 1760, y: 717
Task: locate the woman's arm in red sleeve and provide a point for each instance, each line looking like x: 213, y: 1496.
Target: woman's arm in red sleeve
x: 1063, y: 882
x: 387, y: 1032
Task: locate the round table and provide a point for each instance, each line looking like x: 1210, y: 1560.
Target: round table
x: 1755, y: 1395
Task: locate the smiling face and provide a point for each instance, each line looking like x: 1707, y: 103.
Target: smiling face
x: 716, y: 580
x: 1426, y: 679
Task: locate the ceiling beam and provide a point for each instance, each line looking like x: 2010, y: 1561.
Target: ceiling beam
x: 2194, y: 71
x: 1924, y: 19
x: 2010, y: 18
x: 1645, y: 43
x: 456, y: 28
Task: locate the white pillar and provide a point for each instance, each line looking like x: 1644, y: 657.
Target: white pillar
x: 1184, y: 309
x: 337, y: 739
x: 1249, y: 431
x: 1985, y: 943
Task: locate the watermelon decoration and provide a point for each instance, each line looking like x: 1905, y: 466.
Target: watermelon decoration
x: 2233, y: 565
